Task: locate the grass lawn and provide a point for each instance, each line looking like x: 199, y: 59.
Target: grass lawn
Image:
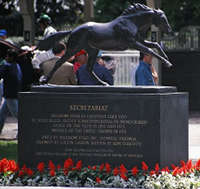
x: 8, y: 150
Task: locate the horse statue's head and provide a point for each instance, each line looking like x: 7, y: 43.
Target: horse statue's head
x: 140, y: 12
x: 160, y: 20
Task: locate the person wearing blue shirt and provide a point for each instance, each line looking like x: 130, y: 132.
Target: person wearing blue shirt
x: 143, y: 75
x: 85, y: 78
x: 11, y: 74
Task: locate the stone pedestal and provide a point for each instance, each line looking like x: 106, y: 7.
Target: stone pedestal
x: 103, y: 124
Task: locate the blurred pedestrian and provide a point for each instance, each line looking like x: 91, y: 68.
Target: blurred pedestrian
x: 4, y: 36
x: 25, y: 62
x: 12, y: 82
x: 143, y: 75
x: 100, y: 60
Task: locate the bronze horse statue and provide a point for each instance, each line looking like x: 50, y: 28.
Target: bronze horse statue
x: 126, y: 31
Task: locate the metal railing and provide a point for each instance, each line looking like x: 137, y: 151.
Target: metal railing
x: 187, y: 39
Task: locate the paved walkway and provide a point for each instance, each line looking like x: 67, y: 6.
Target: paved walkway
x: 10, y: 131
x: 194, y: 136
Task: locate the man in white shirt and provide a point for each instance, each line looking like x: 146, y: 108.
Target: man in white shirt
x: 41, y: 56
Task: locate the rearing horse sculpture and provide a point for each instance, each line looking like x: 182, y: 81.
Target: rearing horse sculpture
x: 126, y: 31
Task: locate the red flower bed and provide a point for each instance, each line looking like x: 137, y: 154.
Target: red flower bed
x: 74, y: 172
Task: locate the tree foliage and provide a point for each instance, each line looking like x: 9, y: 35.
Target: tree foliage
x: 62, y: 11
x: 182, y: 13
x: 9, y: 16
x: 108, y: 10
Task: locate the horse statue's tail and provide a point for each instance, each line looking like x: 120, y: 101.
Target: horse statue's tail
x: 50, y: 41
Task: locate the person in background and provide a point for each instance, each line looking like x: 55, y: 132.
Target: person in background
x: 65, y: 74
x: 81, y: 58
x: 41, y: 56
x: 85, y: 78
x: 143, y: 75
x: 107, y: 62
x: 4, y: 36
x: 110, y: 64
x: 25, y: 62
x: 154, y: 74
x: 12, y: 81
x: 38, y: 58
x: 45, y: 25
x: 100, y: 59
x: 44, y: 22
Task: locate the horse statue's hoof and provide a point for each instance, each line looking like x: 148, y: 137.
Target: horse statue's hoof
x: 43, y: 80
x: 168, y: 64
x: 105, y: 84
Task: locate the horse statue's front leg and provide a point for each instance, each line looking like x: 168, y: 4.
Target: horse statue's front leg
x: 146, y: 50
x: 99, y: 80
x: 95, y: 77
x: 90, y: 64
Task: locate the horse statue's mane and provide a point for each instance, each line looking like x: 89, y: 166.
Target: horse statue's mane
x: 135, y: 8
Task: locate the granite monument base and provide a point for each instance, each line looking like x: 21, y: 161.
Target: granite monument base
x: 96, y: 124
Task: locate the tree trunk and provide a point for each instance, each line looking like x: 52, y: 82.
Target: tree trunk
x: 154, y: 3
x: 155, y: 36
x: 27, y: 10
x: 88, y: 10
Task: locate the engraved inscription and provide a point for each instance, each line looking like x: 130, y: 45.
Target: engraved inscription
x: 89, y: 131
